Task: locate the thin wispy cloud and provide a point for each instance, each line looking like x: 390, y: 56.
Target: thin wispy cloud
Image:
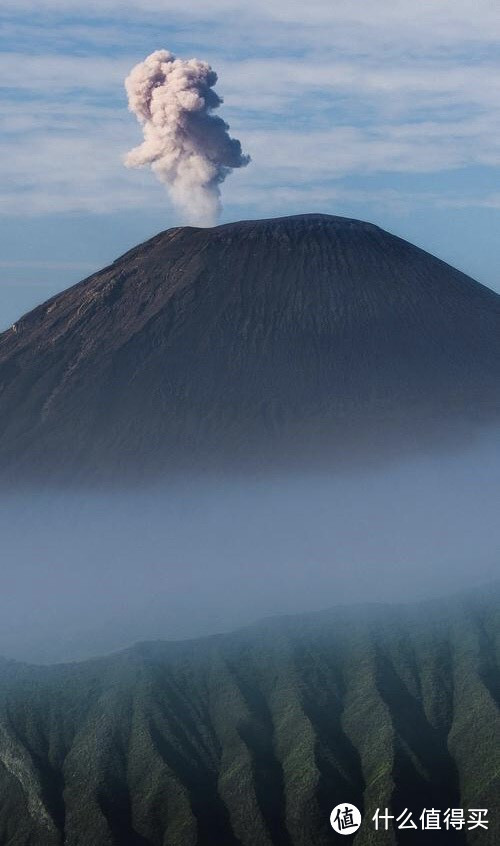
x: 40, y: 174
x: 318, y: 93
x: 445, y: 21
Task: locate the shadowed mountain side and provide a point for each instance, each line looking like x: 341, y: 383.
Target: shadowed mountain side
x: 250, y: 739
x: 289, y: 338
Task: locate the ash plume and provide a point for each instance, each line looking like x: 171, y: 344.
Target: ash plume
x: 189, y: 148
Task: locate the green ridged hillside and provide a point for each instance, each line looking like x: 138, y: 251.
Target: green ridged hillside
x: 250, y: 739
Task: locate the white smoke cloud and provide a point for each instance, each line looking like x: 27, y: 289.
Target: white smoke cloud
x: 188, y: 148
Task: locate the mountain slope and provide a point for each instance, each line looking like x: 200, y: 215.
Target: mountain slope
x: 286, y: 337
x: 250, y: 739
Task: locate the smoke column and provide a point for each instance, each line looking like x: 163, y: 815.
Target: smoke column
x: 188, y: 148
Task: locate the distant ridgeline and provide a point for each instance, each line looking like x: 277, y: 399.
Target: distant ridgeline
x: 289, y: 340
x: 252, y: 738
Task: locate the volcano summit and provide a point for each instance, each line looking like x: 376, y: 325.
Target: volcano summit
x: 290, y: 339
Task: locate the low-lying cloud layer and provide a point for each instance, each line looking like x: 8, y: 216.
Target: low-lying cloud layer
x: 187, y: 146
x: 85, y: 574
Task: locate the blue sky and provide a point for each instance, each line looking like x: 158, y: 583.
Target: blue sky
x: 386, y: 111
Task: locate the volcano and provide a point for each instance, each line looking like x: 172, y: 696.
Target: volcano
x: 293, y: 339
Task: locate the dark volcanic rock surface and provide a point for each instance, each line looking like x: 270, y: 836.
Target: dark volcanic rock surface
x: 265, y: 337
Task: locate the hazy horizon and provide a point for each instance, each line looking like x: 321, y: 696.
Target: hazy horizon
x: 85, y: 574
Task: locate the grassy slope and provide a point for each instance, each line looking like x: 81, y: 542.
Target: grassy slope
x: 252, y: 738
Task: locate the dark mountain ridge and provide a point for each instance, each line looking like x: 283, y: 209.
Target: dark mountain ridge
x: 287, y: 338
x: 251, y: 738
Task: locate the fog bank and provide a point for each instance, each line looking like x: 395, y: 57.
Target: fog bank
x: 86, y: 574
